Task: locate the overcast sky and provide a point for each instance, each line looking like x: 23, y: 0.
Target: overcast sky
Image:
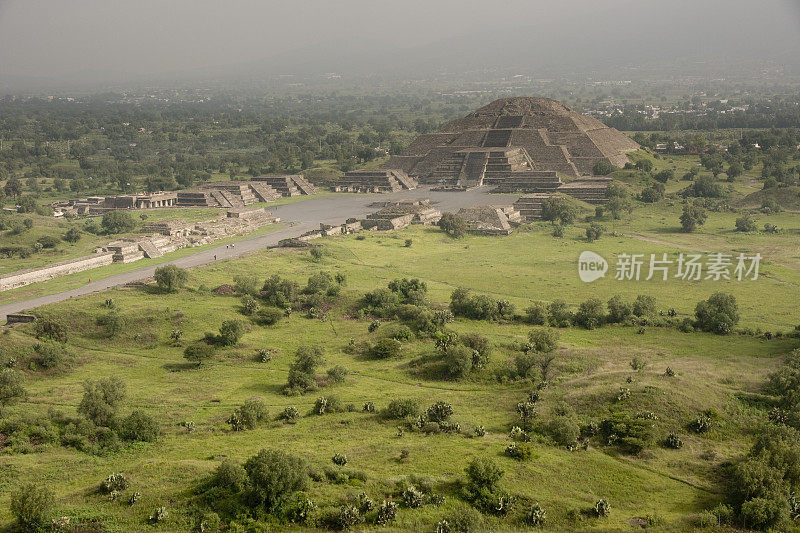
x: 111, y: 40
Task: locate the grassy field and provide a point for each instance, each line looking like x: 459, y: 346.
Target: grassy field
x: 590, y: 367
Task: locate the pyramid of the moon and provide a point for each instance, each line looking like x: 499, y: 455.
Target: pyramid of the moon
x: 517, y: 138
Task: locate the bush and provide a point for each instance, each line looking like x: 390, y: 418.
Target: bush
x: 401, y: 408
x: 230, y: 332
x: 139, y: 426
x: 101, y: 400
x: 112, y: 322
x: 170, y: 278
x: 246, y: 285
x: 337, y: 374
x: 290, y: 414
x: 543, y: 340
x: 603, y: 168
x: 318, y: 283
x: 439, y: 412
x: 72, y: 235
x: 536, y: 314
x: 279, y: 292
x: 673, y: 441
x: 302, y: 371
x: 327, y: 404
x: 409, y: 291
x: 693, y: 216
x: 50, y: 354
x: 590, y: 314
x: 50, y: 328
x: 339, y: 459
x: 114, y: 483
x: 32, y: 506
x: 644, y: 306
x: 483, y: 474
x: 198, y: 352
x: 269, y: 316
x: 602, y: 508
x: 594, y: 231
x: 249, y: 415
x: 564, y: 430
x: 746, y: 224
x: 719, y: 314
x: 387, y: 511
x: 230, y: 476
x: 479, y: 307
x: 274, y: 476
x: 652, y: 194
x: 520, y: 451
x: 453, y: 225
x: 385, y: 349
x: 11, y: 389
x: 559, y: 314
x: 249, y: 305
x: 480, y: 348
x: 117, y: 222
x: 48, y: 241
x: 560, y: 209
x: 536, y: 516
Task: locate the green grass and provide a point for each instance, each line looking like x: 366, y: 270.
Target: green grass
x: 528, y: 265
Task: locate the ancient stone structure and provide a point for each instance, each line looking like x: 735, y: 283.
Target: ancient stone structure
x: 391, y: 180
x: 164, y: 237
x: 509, y: 138
x: 97, y: 205
x: 422, y: 210
x: 489, y: 219
x: 290, y: 185
x: 530, y: 206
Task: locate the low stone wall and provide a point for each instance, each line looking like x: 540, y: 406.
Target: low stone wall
x: 33, y: 275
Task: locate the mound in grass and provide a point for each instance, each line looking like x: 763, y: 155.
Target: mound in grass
x: 786, y: 197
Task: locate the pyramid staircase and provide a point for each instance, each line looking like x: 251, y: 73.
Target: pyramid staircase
x: 291, y: 185
x: 149, y: 249
x: 530, y: 206
x: 497, y: 138
x: 263, y: 192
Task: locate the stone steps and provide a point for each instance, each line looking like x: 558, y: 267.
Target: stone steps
x: 149, y: 249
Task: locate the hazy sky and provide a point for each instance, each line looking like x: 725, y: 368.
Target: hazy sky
x: 112, y: 40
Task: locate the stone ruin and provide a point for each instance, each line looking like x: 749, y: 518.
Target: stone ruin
x: 515, y: 138
x: 589, y: 190
x: 290, y: 185
x: 97, y: 205
x: 490, y: 219
x: 164, y: 237
x: 365, y: 181
x: 421, y: 210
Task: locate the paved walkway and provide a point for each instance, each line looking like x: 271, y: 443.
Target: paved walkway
x: 306, y: 215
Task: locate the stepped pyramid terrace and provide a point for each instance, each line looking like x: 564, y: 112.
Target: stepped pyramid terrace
x: 519, y: 139
x: 378, y: 180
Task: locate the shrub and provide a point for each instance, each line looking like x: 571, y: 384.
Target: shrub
x: 453, y: 225
x: 665, y: 175
x: 112, y: 322
x: 249, y: 305
x: 594, y: 231
x: 302, y: 371
x: 564, y: 430
x: 251, y: 414
x: 327, y: 404
x: 401, y: 408
x: 746, y: 224
x: 480, y: 348
x: 543, y: 339
x: 439, y: 412
x: 369, y: 407
x: 652, y: 194
x: 412, y: 497
x: 387, y: 511
x: 230, y: 475
x: 644, y: 306
x: 170, y: 278
x: 719, y: 314
x: 290, y: 414
x: 536, y: 314
x: 50, y: 328
x: 765, y: 513
x: 198, y: 352
x: 48, y: 241
x: 347, y: 517
x: 560, y: 209
x: 159, y: 515
x: 114, y: 483
x: 602, y: 168
x: 50, y: 354
x: 318, y: 283
x: 337, y: 374
x: 274, y: 476
x: 638, y: 364
x: 269, y: 316
x: 117, y: 222
x: 483, y: 474
x: 32, y: 505
x: 673, y: 441
x: 139, y: 426
x: 559, y: 314
x: 11, y: 389
x: 701, y: 424
x: 590, y: 314
x: 536, y: 516
x: 693, y: 216
x: 520, y: 451
x: 230, y: 332
x: 385, y: 348
x: 101, y: 400
x: 409, y: 291
x: 602, y: 508
x: 72, y: 235
x: 619, y: 310
x: 476, y: 307
x: 458, y: 361
x: 339, y: 459
x: 246, y: 285
x: 403, y: 334
x: 279, y: 292
x: 630, y: 434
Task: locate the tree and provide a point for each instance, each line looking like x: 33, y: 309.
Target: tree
x: 693, y: 216
x: 139, y: 426
x: 302, y: 371
x: 170, y: 278
x: 665, y: 175
x: 11, y: 389
x: 594, y: 231
x: 274, y: 476
x: 230, y: 332
x: 652, y: 194
x: 602, y: 168
x: 560, y: 209
x: 644, y: 305
x: 385, y: 348
x: 72, y: 235
x: 590, y: 314
x: 117, y: 222
x: 483, y: 474
x: 645, y: 165
x: 543, y: 340
x: 735, y: 170
x: 32, y: 506
x: 453, y: 225
x: 719, y: 314
x: 619, y: 310
x: 746, y: 224
x: 198, y: 352
x: 251, y: 414
x: 101, y: 400
x: 13, y: 188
